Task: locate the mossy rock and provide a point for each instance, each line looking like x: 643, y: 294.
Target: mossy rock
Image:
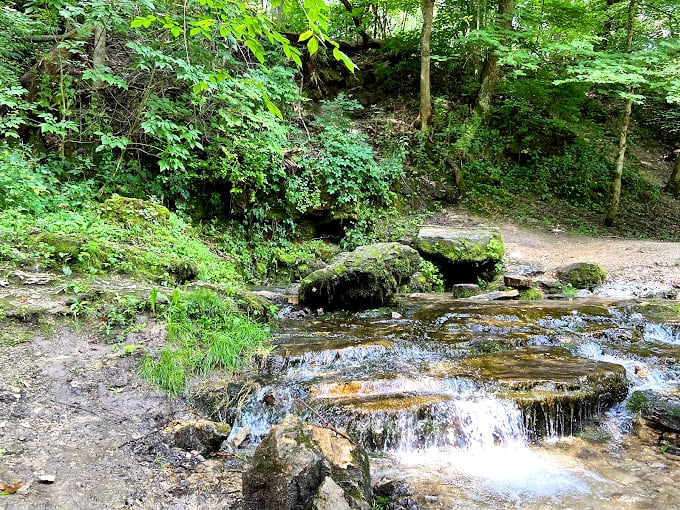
x: 663, y: 412
x: 157, y: 267
x: 252, y: 305
x: 63, y: 246
x: 582, y: 275
x: 134, y: 212
x: 657, y: 419
x: 368, y: 277
x: 463, y: 255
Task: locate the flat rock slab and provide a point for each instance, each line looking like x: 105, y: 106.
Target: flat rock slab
x: 469, y: 244
x: 368, y: 277
x: 556, y: 390
x: 462, y: 254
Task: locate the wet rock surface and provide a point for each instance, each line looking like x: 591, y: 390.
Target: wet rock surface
x: 657, y: 420
x: 557, y: 392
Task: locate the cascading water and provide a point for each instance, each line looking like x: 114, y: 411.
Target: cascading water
x: 470, y: 402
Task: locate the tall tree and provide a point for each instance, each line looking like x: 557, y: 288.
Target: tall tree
x: 618, y: 171
x: 427, y: 8
x: 491, y: 69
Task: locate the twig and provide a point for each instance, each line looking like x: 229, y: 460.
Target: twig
x: 325, y: 422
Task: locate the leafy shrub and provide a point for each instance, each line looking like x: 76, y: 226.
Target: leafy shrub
x: 339, y: 169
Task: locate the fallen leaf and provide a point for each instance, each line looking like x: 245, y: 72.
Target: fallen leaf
x: 10, y: 488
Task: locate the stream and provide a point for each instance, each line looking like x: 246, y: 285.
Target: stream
x: 486, y: 405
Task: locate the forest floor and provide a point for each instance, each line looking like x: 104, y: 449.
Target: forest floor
x: 73, y: 408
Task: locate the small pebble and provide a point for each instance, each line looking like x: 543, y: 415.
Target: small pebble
x: 47, y: 478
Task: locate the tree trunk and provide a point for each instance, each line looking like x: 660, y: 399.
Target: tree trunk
x: 490, y: 70
x: 99, y: 57
x: 356, y: 20
x: 616, y: 182
x: 427, y: 7
x: 673, y: 186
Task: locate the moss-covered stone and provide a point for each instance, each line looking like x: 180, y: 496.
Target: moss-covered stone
x: 657, y: 419
x: 582, y: 275
x: 134, y: 212
x: 465, y: 290
x: 463, y: 255
x: 63, y: 246
x: 369, y: 276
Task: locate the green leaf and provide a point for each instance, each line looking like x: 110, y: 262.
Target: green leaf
x: 339, y: 55
x: 313, y: 46
x: 305, y: 35
x: 143, y: 21
x: 273, y: 109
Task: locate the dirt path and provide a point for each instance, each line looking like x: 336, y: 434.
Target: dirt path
x: 634, y: 263
x: 73, y: 407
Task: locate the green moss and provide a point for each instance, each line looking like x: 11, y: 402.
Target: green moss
x: 530, y: 295
x: 366, y: 277
x: 62, y: 246
x: 582, y: 275
x: 134, y: 212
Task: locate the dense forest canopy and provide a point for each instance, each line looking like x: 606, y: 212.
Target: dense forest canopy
x: 303, y: 114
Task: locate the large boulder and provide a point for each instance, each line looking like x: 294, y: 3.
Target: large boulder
x: 365, y: 278
x: 582, y: 275
x: 463, y: 255
x: 301, y: 466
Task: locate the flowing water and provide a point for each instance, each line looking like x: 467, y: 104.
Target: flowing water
x: 487, y: 405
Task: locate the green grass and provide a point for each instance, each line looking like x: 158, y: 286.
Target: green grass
x: 205, y: 333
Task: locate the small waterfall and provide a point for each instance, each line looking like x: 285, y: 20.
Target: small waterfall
x: 667, y: 333
x: 469, y: 422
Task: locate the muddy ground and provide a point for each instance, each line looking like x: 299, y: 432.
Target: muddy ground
x: 73, y: 409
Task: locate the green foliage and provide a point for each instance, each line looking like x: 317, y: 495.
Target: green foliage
x: 434, y: 281
x: 52, y: 223
x: 569, y: 290
x: 530, y: 295
x: 376, y: 225
x: 338, y: 170
x: 205, y: 333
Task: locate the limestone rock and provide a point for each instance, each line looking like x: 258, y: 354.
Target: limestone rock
x: 517, y: 281
x: 557, y: 392
x: 495, y: 295
x: 291, y: 467
x: 367, y: 277
x: 330, y: 497
x: 461, y: 254
x: 203, y: 436
x: 582, y: 275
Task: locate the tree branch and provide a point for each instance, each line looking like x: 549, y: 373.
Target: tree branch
x: 52, y: 37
